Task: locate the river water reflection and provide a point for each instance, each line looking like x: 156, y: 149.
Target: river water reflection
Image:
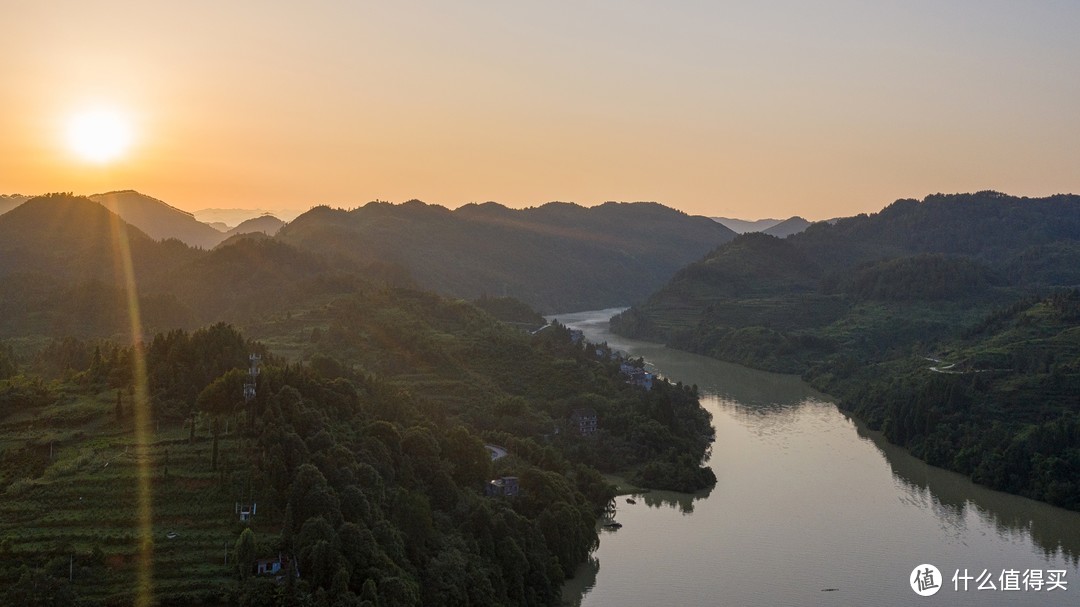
x: 811, y: 508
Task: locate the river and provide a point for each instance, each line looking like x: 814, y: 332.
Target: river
x: 812, y: 508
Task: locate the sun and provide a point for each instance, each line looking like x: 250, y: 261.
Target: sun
x: 99, y: 135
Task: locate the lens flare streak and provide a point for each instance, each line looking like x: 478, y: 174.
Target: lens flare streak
x: 145, y: 582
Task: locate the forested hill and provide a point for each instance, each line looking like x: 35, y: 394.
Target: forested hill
x: 956, y: 247
x: 866, y: 301
x: 556, y: 257
x: 72, y: 237
x: 363, y: 446
x: 367, y: 464
x: 64, y: 261
x: 986, y: 225
x: 62, y: 265
x: 1000, y: 402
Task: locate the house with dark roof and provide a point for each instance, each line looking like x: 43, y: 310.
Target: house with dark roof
x: 506, y: 486
x: 585, y: 420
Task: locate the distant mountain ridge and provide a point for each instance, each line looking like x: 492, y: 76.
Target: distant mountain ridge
x: 781, y: 228
x: 62, y: 265
x: 556, y: 257
x: 266, y: 224
x: 1030, y: 241
x: 742, y: 226
x: 61, y: 259
x: 786, y: 228
x: 158, y: 219
x: 10, y: 201
x: 234, y: 217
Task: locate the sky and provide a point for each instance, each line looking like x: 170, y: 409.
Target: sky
x: 738, y: 109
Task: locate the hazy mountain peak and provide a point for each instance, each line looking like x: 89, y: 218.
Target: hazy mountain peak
x: 119, y: 198
x: 742, y: 226
x: 483, y: 208
x: 786, y: 228
x: 10, y: 201
x: 266, y: 224
x: 558, y: 205
x: 159, y: 219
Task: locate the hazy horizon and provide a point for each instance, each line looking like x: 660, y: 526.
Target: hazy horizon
x: 765, y: 110
x: 228, y: 215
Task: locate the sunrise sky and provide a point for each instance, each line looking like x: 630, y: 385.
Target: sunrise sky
x: 745, y: 109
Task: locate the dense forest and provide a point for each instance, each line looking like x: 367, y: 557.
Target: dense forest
x: 999, y: 402
x: 978, y: 287
x: 359, y: 460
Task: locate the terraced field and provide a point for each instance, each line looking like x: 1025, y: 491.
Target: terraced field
x: 70, y: 492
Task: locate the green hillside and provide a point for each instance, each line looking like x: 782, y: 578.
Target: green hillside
x: 1001, y: 402
x: 363, y: 446
x: 857, y: 306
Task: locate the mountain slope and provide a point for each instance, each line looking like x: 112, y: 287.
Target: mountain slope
x: 786, y: 228
x: 69, y: 237
x: 742, y: 226
x: 158, y: 219
x: 985, y: 225
x: 998, y: 403
x: 1026, y: 242
x: 925, y: 319
x: 62, y: 266
x: 556, y: 257
x: 266, y: 224
x: 250, y: 276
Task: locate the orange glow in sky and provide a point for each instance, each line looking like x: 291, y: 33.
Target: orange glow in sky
x: 738, y: 109
x: 99, y: 135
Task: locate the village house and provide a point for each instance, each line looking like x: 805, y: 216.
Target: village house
x: 506, y: 486
x: 636, y: 375
x: 642, y: 379
x: 276, y: 567
x: 585, y: 420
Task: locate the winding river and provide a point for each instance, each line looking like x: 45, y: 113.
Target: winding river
x: 812, y: 508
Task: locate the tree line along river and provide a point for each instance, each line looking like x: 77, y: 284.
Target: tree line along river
x: 812, y: 508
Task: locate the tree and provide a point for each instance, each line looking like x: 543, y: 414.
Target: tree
x: 220, y: 398
x: 245, y: 552
x: 310, y: 496
x: 223, y: 394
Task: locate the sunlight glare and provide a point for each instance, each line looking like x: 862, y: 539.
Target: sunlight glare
x: 99, y: 135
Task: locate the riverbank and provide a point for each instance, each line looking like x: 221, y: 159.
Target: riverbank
x: 623, y: 486
x: 806, y: 499
x: 1005, y: 415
